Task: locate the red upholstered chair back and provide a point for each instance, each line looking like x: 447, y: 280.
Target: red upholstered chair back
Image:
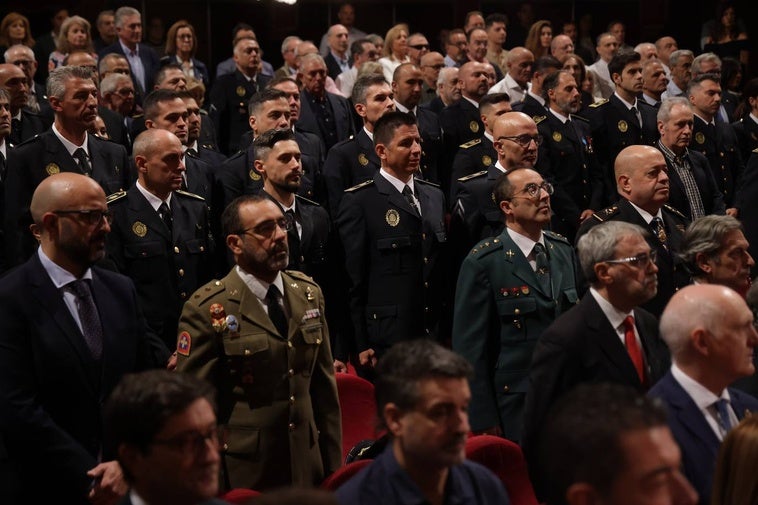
x: 239, y: 496
x: 344, y: 474
x: 358, y: 406
x: 505, y: 459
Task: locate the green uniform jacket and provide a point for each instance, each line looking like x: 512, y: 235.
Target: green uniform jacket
x: 500, y: 312
x: 277, y: 395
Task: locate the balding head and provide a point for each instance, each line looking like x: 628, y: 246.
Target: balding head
x: 520, y: 61
x: 474, y: 80
x: 709, y: 331
x: 560, y: 46
x: 511, y: 152
x: 337, y: 37
x: 642, y: 177
x: 647, y: 51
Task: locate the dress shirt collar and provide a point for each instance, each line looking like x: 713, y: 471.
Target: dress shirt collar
x: 649, y: 99
x: 370, y: 134
x: 475, y: 104
x: 701, y: 395
x: 524, y: 243
x: 260, y: 287
x: 511, y: 83
x: 397, y: 183
x: 127, y: 51
x: 59, y: 275
x: 153, y: 200
x: 614, y: 315
x: 4, y: 148
x: 754, y: 118
x: 536, y: 97
x: 712, y: 122
x: 135, y: 498
x: 560, y: 116
x: 403, y: 108
x: 671, y: 155
x: 646, y: 215
x: 627, y: 104
x: 500, y: 167
x: 70, y: 146
x: 489, y: 137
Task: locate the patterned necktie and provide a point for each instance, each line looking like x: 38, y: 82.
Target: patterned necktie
x: 84, y: 164
x: 408, y: 194
x: 723, y: 414
x: 92, y: 330
x: 165, y: 212
x: 275, y: 312
x: 542, y: 268
x: 633, y: 348
x: 660, y: 232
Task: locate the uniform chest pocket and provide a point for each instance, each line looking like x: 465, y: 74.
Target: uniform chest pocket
x: 394, y: 252
x: 313, y: 338
x: 144, y: 250
x: 195, y: 246
x: 246, y: 345
x: 514, y: 314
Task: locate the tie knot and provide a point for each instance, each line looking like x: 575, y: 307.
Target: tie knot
x: 629, y: 323
x: 407, y: 191
x: 79, y: 287
x: 634, y: 110
x: 272, y: 295
x: 539, y: 248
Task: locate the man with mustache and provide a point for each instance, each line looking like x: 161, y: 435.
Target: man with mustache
x: 710, y: 332
x: 607, y: 337
x: 160, y: 236
x: 260, y: 336
x: 510, y: 288
x: 423, y: 394
x: 643, y: 185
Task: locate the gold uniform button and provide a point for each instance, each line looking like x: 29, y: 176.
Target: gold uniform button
x: 218, y: 283
x: 517, y: 311
x: 426, y: 284
x: 176, y: 249
x: 423, y: 236
x: 291, y: 372
x: 292, y: 400
x: 506, y: 388
x: 426, y: 260
x: 318, y: 340
x: 292, y: 426
x: 181, y: 272
x: 202, y: 248
x: 247, y: 352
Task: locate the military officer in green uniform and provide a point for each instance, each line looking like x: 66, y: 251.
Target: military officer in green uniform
x: 260, y: 336
x: 510, y: 288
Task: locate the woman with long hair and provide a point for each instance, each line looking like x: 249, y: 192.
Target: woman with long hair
x: 181, y: 47
x: 735, y: 482
x: 539, y: 38
x: 395, y: 50
x: 74, y: 36
x: 726, y: 38
x: 14, y: 29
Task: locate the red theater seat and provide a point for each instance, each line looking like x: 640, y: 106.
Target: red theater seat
x: 358, y: 407
x: 506, y: 460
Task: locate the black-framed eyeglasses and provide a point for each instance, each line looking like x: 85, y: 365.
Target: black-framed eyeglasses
x: 195, y: 442
x: 125, y: 92
x: 91, y: 217
x: 524, y: 140
x: 533, y: 189
x: 642, y: 260
x: 268, y: 228
x: 419, y: 47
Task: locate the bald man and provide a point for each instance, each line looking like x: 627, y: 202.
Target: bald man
x: 560, y: 46
x: 709, y: 330
x: 642, y: 183
x: 24, y: 124
x: 68, y: 332
x: 520, y: 62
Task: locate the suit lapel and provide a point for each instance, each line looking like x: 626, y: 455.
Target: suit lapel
x: 59, y: 153
x: 688, y: 414
x: 250, y: 308
x: 296, y: 303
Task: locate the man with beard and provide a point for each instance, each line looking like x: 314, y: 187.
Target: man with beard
x: 567, y: 157
x: 422, y: 396
x: 160, y: 235
x: 69, y: 332
x: 65, y: 147
x: 260, y: 336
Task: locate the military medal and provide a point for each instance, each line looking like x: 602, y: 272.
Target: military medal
x: 623, y: 126
x: 700, y: 138
x: 362, y: 159
x: 510, y: 254
x: 52, y: 169
x: 474, y: 126
x: 184, y: 344
x: 240, y: 91
x: 486, y: 160
x: 139, y: 229
x: 504, y: 292
x: 309, y: 294
x: 232, y: 324
x: 525, y: 290
x: 557, y: 136
x: 392, y: 217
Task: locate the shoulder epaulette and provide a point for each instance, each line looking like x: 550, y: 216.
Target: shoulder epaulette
x: 304, y: 199
x: 300, y: 276
x: 755, y: 150
x: 208, y: 291
x: 486, y: 246
x: 539, y: 119
x: 28, y: 141
x: 190, y: 195
x: 574, y: 116
x: 138, y: 116
x: 114, y: 197
x: 556, y: 236
x: 361, y: 185
x: 471, y: 176
x: 599, y: 103
x: 430, y: 183
x: 606, y: 213
x: 674, y: 210
x: 470, y: 143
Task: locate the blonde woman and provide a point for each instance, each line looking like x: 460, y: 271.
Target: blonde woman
x: 395, y: 50
x: 74, y: 36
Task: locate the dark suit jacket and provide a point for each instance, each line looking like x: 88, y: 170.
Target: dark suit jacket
x: 32, y: 124
x: 746, y: 203
x: 150, y: 61
x: 33, y: 161
x: 581, y: 347
x: 747, y: 136
x: 343, y: 117
x: 332, y: 67
x: 693, y: 434
x: 721, y: 149
x: 114, y: 124
x: 395, y: 261
x: 348, y: 163
x: 433, y: 168
x: 51, y: 389
x: 435, y: 105
x: 531, y: 107
x: 713, y: 200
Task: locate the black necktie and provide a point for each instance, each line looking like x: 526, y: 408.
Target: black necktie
x: 15, y: 137
x: 275, y: 312
x: 293, y: 240
x: 84, y: 165
x: 543, y: 268
x: 408, y: 194
x: 659, y: 231
x: 637, y: 115
x: 92, y: 330
x: 165, y: 212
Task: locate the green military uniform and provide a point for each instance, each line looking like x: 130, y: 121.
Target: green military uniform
x: 276, y: 393
x: 500, y: 312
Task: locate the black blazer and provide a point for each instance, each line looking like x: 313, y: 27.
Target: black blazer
x: 150, y: 61
x: 33, y: 161
x: 332, y: 67
x: 432, y: 169
x: 713, y: 200
x: 51, y: 389
x: 747, y: 136
x: 722, y: 151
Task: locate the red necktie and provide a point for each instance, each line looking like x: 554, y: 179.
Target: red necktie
x: 635, y: 353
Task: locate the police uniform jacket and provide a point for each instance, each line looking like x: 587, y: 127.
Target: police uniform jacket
x: 671, y: 273
x: 348, y: 164
x: 500, y: 312
x: 165, y: 265
x: 32, y: 124
x: 395, y: 261
x: 229, y: 99
x: 341, y: 111
x: 613, y: 128
x: 44, y: 155
x: 718, y: 143
x: 747, y: 136
x: 567, y: 159
x: 276, y: 393
x: 531, y: 107
x: 461, y: 122
x: 199, y: 176
x: 431, y: 157
x: 472, y: 157
x: 713, y: 200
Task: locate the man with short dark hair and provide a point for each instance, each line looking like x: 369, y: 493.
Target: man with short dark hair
x: 361, y: 51
x: 455, y: 47
x: 605, y: 442
x: 422, y: 396
x: 495, y: 26
x: 709, y: 330
x: 260, y: 335
x: 393, y: 232
x: 68, y: 332
x: 160, y: 424
x: 665, y: 46
x: 534, y: 104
